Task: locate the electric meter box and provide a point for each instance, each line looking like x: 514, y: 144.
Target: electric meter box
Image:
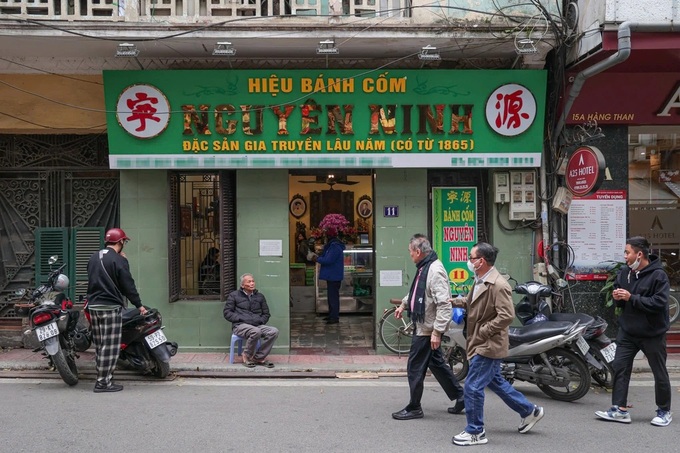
x: 523, y: 197
x: 501, y: 187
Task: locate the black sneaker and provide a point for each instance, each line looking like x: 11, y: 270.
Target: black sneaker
x: 458, y: 408
x: 99, y: 388
x: 530, y: 420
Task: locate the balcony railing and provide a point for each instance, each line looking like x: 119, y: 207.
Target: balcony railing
x: 210, y: 11
x: 198, y: 10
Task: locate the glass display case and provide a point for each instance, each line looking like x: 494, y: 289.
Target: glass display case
x: 357, y: 288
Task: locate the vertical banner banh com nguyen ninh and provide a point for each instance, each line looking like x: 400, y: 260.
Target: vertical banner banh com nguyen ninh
x: 454, y: 229
x: 332, y: 118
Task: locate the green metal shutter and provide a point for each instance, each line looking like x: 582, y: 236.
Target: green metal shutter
x: 48, y: 242
x: 84, y: 242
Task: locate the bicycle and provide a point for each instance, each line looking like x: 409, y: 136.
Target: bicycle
x: 395, y: 333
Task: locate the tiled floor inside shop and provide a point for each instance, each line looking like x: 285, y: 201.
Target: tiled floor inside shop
x: 353, y: 335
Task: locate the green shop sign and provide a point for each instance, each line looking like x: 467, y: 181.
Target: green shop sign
x: 332, y: 118
x: 454, y: 229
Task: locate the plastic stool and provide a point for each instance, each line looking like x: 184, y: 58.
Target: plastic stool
x: 238, y: 341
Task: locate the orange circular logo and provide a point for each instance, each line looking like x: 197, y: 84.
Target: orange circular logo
x: 459, y: 275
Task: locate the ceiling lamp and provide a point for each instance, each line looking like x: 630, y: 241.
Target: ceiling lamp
x: 127, y: 50
x: 327, y: 47
x: 224, y: 49
x: 525, y: 46
x: 429, y: 53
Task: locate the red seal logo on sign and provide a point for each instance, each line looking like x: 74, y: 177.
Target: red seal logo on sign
x: 143, y: 111
x: 510, y: 110
x: 585, y: 171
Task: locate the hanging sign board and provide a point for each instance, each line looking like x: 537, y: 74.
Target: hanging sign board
x: 585, y: 171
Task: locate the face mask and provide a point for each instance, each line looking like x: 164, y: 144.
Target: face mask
x: 470, y: 266
x: 636, y: 264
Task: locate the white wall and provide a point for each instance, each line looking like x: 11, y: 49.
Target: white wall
x: 642, y: 10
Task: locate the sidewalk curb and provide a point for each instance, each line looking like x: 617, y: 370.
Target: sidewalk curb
x: 210, y: 365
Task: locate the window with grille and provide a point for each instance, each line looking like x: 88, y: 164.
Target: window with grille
x: 202, y: 254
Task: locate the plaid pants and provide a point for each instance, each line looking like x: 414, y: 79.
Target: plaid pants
x: 106, y: 334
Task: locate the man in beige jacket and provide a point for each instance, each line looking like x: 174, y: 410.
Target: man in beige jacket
x: 490, y: 312
x: 430, y: 309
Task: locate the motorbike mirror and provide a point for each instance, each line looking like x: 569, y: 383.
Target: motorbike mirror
x: 53, y: 259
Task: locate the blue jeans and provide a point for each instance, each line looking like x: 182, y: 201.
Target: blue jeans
x: 485, y: 372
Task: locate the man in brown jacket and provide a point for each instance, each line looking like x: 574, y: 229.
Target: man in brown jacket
x: 490, y: 312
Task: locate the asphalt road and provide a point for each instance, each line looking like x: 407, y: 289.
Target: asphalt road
x: 314, y: 415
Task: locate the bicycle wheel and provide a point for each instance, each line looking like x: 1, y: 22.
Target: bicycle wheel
x: 457, y: 359
x: 395, y: 333
x: 673, y: 308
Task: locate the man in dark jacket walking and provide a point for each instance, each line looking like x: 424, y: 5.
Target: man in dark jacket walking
x: 428, y: 306
x: 642, y: 289
x: 109, y: 282
x: 247, y: 310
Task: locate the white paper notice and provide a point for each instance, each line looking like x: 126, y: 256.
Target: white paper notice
x: 271, y: 247
x: 390, y: 278
x: 597, y: 233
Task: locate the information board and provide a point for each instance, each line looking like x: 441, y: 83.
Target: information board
x: 596, y: 233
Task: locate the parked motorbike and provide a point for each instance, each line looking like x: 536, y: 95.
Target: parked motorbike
x: 539, y: 353
x: 595, y: 346
x: 54, y: 323
x: 144, y: 347
x: 601, y: 349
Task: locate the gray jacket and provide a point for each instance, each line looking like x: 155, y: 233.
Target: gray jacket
x: 437, y: 306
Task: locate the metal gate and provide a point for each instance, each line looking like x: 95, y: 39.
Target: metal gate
x: 49, y: 181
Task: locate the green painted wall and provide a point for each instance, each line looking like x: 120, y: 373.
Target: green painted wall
x: 406, y: 189
x: 144, y: 217
x: 262, y: 213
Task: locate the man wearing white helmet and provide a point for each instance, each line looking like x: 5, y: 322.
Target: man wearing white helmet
x: 109, y: 283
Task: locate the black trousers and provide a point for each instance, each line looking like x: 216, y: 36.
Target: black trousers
x: 420, y: 358
x: 654, y: 349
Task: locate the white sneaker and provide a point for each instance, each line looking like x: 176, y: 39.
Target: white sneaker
x: 663, y: 418
x: 614, y: 414
x: 530, y: 420
x: 465, y: 438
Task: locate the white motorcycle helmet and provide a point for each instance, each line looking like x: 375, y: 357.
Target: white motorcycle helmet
x: 61, y: 283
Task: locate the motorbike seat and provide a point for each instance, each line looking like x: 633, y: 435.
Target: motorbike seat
x: 537, y: 331
x: 133, y: 315
x: 582, y: 318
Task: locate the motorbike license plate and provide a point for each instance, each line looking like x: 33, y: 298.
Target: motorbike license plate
x: 582, y: 345
x: 48, y: 331
x: 609, y: 352
x: 155, y: 339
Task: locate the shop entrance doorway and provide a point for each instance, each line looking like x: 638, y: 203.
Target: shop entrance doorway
x: 313, y: 194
